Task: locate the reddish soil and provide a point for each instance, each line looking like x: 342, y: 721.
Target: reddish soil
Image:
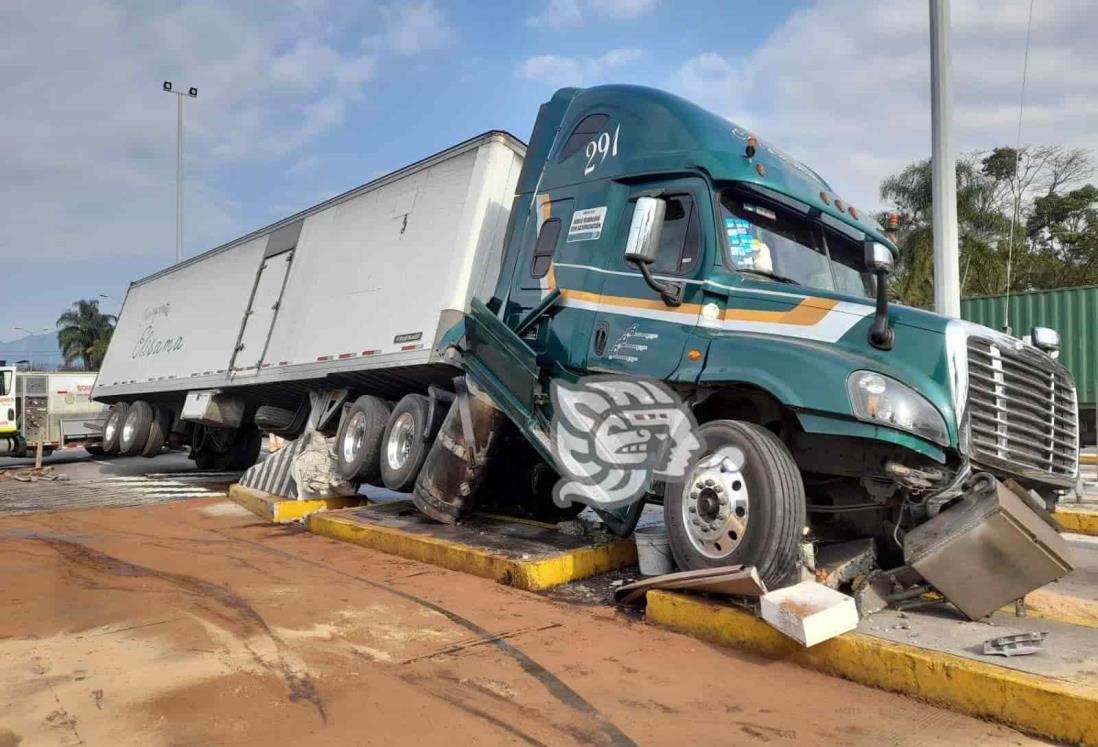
x: 191, y: 623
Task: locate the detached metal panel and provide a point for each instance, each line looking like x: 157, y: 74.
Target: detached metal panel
x: 1073, y: 312
x: 367, y: 280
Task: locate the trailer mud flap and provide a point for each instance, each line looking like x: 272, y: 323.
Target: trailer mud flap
x: 453, y: 472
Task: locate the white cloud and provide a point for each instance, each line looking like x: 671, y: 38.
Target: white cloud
x: 87, y: 139
x: 559, y: 71
x: 845, y: 86
x: 413, y: 27
x: 560, y: 13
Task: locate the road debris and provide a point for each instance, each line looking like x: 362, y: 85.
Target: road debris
x: 809, y: 612
x: 1018, y: 644
x: 734, y: 580
x: 32, y: 474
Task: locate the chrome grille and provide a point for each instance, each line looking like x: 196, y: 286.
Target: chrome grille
x: 1021, y: 411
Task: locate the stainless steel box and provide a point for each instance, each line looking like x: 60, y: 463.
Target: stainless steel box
x: 987, y: 550
x: 211, y: 407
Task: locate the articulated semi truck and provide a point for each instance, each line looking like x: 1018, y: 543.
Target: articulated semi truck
x: 424, y: 319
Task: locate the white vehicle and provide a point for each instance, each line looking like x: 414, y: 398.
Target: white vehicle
x: 51, y: 408
x: 344, y: 301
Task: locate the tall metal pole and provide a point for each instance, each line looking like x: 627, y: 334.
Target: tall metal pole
x: 179, y: 182
x: 947, y: 273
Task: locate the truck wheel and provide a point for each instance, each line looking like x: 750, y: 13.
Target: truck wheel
x: 403, y: 445
x: 244, y: 450
x: 158, y: 431
x: 113, y: 427
x: 742, y: 503
x: 358, y: 442
x: 135, y: 428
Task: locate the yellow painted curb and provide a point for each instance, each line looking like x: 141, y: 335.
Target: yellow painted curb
x: 1088, y: 459
x: 532, y: 575
x: 1037, y: 705
x: 284, y: 511
x: 1049, y: 605
x: 1079, y: 522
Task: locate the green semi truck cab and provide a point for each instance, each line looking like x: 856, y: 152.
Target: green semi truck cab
x: 761, y: 304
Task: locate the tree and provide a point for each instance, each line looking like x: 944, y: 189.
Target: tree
x: 1018, y: 229
x: 83, y: 334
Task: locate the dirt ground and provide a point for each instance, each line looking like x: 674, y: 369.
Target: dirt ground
x: 193, y: 623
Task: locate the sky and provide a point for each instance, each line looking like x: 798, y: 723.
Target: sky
x: 298, y: 101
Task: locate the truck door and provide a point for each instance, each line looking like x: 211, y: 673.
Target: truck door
x: 635, y: 331
x: 267, y: 290
x: 552, y: 335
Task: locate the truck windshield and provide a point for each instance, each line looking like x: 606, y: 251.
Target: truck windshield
x: 769, y: 239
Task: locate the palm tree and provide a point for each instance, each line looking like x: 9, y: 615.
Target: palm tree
x: 83, y: 334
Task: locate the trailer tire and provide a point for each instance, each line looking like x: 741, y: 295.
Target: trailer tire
x: 113, y: 427
x: 756, y: 518
x: 358, y: 441
x: 404, y: 443
x: 158, y: 431
x: 135, y: 428
x: 244, y: 450
x: 271, y: 419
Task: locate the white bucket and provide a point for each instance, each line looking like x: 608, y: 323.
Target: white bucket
x: 653, y: 551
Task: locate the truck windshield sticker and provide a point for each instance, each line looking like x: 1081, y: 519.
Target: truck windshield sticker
x: 746, y: 250
x: 587, y: 224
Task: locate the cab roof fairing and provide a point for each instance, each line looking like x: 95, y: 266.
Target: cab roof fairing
x: 661, y: 132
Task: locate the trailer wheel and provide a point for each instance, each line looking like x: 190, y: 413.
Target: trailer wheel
x: 742, y: 503
x: 135, y: 428
x: 358, y: 442
x: 158, y: 431
x: 243, y: 451
x: 113, y: 427
x: 404, y: 444
x: 271, y: 419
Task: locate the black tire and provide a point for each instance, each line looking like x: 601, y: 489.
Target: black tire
x: 358, y: 441
x: 271, y: 419
x: 135, y: 428
x: 96, y: 451
x: 403, y: 444
x: 773, y: 503
x: 112, y: 428
x: 244, y: 451
x: 158, y: 431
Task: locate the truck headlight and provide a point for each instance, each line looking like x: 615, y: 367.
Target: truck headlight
x: 883, y: 400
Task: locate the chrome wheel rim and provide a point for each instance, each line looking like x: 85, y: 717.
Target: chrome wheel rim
x: 354, y: 436
x: 715, y: 506
x: 128, y: 429
x: 399, y: 445
x: 111, y: 428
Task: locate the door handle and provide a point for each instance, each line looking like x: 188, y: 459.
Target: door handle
x: 601, y: 332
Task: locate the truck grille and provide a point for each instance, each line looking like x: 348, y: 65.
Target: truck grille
x: 1021, y: 410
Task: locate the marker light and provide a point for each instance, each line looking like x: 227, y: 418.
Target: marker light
x: 752, y: 146
x: 854, y: 213
x: 893, y: 221
x: 840, y: 206
x: 761, y: 169
x: 826, y: 198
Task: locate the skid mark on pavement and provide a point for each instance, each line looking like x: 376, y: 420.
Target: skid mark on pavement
x: 610, y: 733
x: 219, y: 601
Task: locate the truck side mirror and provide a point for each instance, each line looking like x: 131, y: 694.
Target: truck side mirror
x: 879, y: 261
x: 644, y: 244
x: 645, y: 230
x: 878, y: 258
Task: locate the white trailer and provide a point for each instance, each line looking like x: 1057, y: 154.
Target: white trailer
x: 345, y: 298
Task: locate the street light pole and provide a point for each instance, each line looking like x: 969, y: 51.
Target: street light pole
x: 30, y: 353
x: 947, y: 273
x: 192, y: 93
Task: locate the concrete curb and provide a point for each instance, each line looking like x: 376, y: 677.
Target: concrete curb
x: 1037, y: 705
x: 285, y: 511
x: 1077, y: 522
x: 532, y: 575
